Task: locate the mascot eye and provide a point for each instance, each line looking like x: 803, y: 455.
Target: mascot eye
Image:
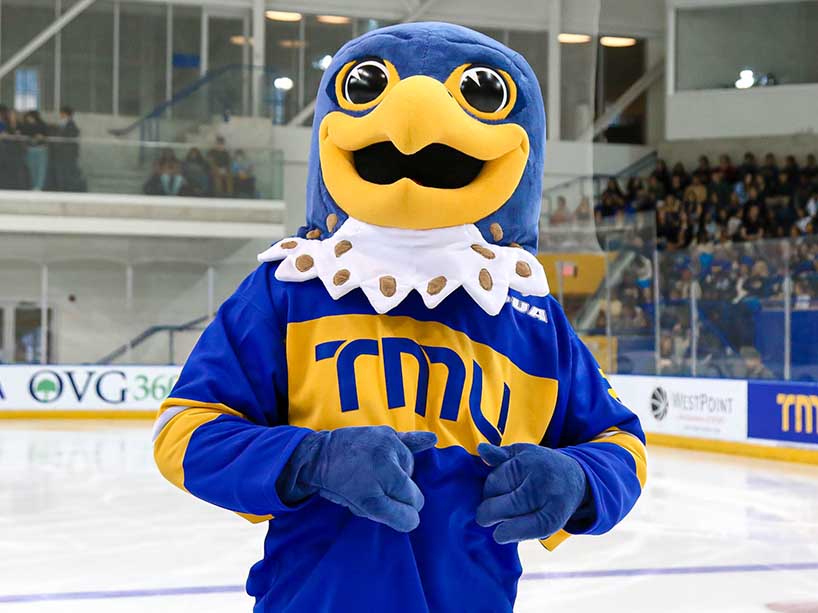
x: 484, y: 89
x: 366, y: 81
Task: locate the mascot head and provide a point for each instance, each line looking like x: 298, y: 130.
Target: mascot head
x: 425, y: 171
x: 428, y: 125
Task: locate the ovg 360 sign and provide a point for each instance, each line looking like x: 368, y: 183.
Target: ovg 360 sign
x: 85, y: 387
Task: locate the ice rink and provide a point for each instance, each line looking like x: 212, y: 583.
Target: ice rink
x: 87, y: 524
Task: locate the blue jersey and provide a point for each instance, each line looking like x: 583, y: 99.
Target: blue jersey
x: 283, y: 359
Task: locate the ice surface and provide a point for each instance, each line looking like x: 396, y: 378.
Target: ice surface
x: 87, y: 524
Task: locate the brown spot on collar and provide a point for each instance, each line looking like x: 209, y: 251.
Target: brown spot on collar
x: 341, y: 247
x: 484, y: 251
x: 341, y: 277
x: 523, y: 269
x: 389, y: 286
x: 486, y: 282
x: 436, y: 285
x: 304, y: 262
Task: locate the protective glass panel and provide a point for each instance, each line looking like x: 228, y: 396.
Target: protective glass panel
x: 87, y: 45
x: 283, y: 50
x: 142, y: 57
x: 187, y: 48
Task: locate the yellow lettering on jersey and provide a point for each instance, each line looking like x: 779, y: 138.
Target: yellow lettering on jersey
x: 356, y: 370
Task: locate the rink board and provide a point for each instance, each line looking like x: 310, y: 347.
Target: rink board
x: 772, y: 419
x: 83, y: 391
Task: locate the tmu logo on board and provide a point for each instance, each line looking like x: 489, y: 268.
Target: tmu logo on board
x: 85, y: 387
x: 783, y: 412
x: 703, y: 408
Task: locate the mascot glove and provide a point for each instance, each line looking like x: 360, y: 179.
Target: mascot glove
x: 365, y: 469
x: 532, y: 492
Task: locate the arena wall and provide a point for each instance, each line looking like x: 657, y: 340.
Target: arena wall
x: 771, y: 419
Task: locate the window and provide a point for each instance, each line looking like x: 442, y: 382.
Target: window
x: 142, y: 57
x: 777, y: 40
x: 27, y: 334
x: 325, y: 34
x: 534, y: 47
x: 22, y: 20
x: 283, y: 49
x: 26, y: 89
x: 87, y: 45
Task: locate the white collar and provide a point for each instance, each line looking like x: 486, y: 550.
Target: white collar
x: 388, y: 263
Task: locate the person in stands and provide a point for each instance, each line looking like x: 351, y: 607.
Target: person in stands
x: 65, y: 152
x: 244, y: 180
x: 36, y: 132
x: 13, y: 171
x: 561, y: 215
x: 196, y: 171
x: 220, y: 169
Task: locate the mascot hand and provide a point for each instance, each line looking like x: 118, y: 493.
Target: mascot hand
x: 531, y: 493
x: 366, y: 469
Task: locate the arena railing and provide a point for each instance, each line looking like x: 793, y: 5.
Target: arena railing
x: 121, y: 166
x: 222, y: 93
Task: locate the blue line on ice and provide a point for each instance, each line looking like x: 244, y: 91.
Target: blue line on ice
x: 536, y: 576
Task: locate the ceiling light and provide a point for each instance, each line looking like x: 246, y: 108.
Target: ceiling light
x: 285, y: 84
x: 241, y: 40
x: 617, y: 41
x: 573, y: 39
x: 746, y: 79
x: 323, y: 63
x: 336, y: 20
x: 282, y: 16
x: 292, y: 43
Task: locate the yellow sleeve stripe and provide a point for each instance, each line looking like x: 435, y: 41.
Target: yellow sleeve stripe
x: 632, y: 445
x: 184, y: 402
x: 171, y: 444
x: 555, y: 540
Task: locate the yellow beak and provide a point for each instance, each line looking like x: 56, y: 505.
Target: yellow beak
x: 415, y: 113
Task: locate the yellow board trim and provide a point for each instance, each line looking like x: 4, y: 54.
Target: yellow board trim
x: 77, y: 414
x: 752, y: 450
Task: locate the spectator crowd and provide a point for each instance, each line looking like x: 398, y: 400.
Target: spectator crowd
x: 713, y: 204
x: 219, y: 173
x: 709, y: 226
x: 39, y: 156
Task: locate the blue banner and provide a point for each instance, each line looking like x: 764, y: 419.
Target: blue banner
x: 786, y: 412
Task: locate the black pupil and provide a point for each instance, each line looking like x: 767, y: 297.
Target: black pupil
x: 483, y: 89
x: 365, y: 83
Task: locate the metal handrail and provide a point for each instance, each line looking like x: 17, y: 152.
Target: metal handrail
x: 147, y: 334
x: 146, y: 123
x: 628, y: 171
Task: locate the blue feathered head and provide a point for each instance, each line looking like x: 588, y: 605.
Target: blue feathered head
x: 428, y: 125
